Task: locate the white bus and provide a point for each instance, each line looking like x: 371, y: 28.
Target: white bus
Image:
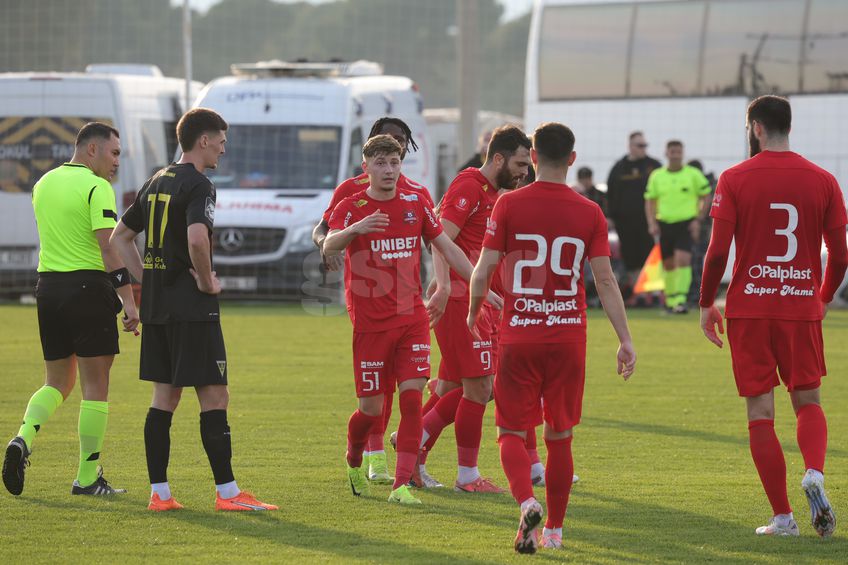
x: 686, y: 70
x: 40, y: 115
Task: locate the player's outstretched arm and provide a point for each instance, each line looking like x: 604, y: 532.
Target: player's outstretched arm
x: 610, y: 295
x: 113, y: 264
x: 338, y: 240
x: 715, y: 262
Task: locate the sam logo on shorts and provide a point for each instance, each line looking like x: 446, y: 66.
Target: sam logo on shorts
x: 371, y: 365
x: 421, y: 347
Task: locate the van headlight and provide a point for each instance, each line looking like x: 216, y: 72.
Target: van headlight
x: 300, y: 240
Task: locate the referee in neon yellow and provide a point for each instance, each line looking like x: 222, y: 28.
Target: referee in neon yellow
x: 79, y: 273
x: 676, y: 203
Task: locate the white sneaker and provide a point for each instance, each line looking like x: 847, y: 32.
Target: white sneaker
x: 428, y: 481
x: 551, y: 541
x: 822, y: 516
x: 775, y: 529
x: 574, y: 479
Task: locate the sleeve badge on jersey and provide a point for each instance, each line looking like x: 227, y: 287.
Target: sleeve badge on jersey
x: 430, y: 216
x: 210, y: 209
x: 491, y: 227
x: 462, y: 204
x: 717, y: 200
x: 348, y: 216
x: 361, y: 202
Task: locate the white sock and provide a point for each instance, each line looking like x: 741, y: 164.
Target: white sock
x: 528, y: 502
x: 162, y: 489
x: 783, y: 519
x: 381, y: 452
x: 467, y: 475
x: 422, y: 468
x: 537, y: 470
x: 425, y: 435
x: 366, y: 454
x: 228, y: 490
x: 549, y: 531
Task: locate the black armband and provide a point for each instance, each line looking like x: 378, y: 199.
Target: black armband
x: 120, y: 277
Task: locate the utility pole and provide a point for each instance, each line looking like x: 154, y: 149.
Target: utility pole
x: 468, y: 74
x: 187, y: 52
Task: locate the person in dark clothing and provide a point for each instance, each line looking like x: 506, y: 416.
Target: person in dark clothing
x: 586, y: 187
x: 626, y: 205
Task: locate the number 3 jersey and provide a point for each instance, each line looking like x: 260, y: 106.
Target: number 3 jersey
x: 780, y: 204
x: 546, y: 231
x: 169, y: 202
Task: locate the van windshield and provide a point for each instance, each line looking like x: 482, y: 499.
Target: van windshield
x: 279, y: 157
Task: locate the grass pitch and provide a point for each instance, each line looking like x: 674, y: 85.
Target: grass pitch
x: 665, y: 471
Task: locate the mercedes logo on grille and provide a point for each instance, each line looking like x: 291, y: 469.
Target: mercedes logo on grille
x: 231, y: 239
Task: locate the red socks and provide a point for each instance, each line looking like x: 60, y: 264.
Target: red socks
x: 469, y: 430
x: 558, y: 472
x: 530, y: 445
x: 375, y: 439
x: 812, y: 436
x: 439, y: 417
x: 358, y: 428
x: 431, y: 402
x: 516, y: 466
x: 409, y: 436
x: 771, y: 466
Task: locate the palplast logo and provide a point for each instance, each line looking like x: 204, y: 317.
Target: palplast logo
x: 544, y: 306
x: 779, y: 273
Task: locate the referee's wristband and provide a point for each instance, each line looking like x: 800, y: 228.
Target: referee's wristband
x: 120, y: 277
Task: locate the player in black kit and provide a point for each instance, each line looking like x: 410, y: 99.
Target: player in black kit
x: 181, y: 343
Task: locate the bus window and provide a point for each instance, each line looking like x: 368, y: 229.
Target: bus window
x: 826, y: 64
x: 666, y: 49
x: 752, y: 47
x: 583, y: 51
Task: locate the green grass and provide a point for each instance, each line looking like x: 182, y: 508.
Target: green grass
x: 665, y: 471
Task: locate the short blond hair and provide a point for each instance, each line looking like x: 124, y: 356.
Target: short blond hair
x: 381, y: 145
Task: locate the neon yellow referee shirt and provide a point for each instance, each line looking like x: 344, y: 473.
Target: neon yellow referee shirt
x: 70, y: 203
x: 677, y: 193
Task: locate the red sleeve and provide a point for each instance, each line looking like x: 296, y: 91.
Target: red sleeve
x: 341, y: 215
x: 599, y: 245
x: 461, y: 199
x: 495, y: 237
x: 345, y: 189
x: 724, y: 201
x: 835, y: 216
x: 432, y: 228
x: 428, y: 197
x: 716, y: 260
x: 837, y: 262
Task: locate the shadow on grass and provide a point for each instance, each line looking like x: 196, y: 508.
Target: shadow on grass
x: 701, y: 435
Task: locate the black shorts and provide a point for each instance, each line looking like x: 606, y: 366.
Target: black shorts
x: 77, y: 314
x: 183, y: 354
x: 675, y: 236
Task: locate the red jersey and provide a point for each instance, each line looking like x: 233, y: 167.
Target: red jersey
x: 359, y: 183
x: 779, y: 203
x: 468, y: 203
x: 546, y: 232
x: 382, y: 273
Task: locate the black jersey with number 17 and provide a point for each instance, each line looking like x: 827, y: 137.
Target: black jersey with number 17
x: 169, y: 202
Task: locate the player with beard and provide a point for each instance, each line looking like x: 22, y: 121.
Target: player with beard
x: 467, y: 369
x: 777, y: 206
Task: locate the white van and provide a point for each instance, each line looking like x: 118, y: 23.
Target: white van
x: 40, y: 115
x: 296, y: 131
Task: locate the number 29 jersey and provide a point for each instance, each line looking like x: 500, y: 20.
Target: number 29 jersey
x: 169, y: 202
x: 546, y: 231
x: 780, y: 204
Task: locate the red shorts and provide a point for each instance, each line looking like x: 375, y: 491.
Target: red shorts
x: 762, y: 349
x: 528, y: 372
x: 464, y: 356
x: 383, y: 359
